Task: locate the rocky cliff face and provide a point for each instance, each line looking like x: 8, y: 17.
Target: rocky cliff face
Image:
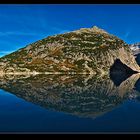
x: 88, y: 50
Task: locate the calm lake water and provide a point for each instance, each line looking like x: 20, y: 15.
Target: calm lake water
x: 66, y: 103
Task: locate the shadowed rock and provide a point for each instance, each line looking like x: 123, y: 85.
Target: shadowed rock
x: 120, y: 72
x: 137, y: 58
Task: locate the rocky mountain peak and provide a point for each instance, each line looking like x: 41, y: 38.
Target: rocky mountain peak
x: 84, y: 51
x: 93, y: 29
x: 98, y: 30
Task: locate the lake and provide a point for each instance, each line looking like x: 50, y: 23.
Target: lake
x: 70, y: 103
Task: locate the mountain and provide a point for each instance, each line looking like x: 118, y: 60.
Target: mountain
x: 136, y: 51
x: 135, y: 48
x: 87, y: 50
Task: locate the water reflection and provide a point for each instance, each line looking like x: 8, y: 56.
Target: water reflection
x: 81, y: 95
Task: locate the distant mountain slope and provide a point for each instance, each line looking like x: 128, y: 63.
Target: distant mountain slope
x: 88, y: 50
x: 135, y: 48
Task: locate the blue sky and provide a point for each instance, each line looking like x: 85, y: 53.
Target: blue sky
x: 23, y: 24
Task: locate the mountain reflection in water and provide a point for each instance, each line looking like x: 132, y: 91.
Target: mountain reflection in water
x: 81, y: 95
